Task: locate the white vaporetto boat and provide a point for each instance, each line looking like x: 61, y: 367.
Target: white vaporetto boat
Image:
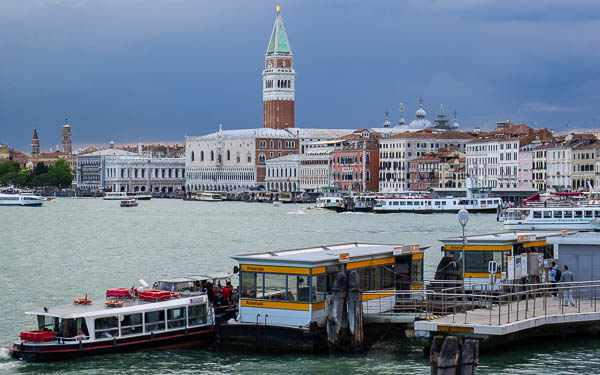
x: 209, y: 197
x: 114, y: 195
x: 21, y: 200
x: 552, y: 218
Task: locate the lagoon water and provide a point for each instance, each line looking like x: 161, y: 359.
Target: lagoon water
x: 70, y: 247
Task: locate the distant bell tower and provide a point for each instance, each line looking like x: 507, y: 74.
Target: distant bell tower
x: 66, y: 138
x: 35, y: 144
x: 278, y: 80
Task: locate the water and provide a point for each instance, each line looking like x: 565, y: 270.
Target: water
x: 69, y: 247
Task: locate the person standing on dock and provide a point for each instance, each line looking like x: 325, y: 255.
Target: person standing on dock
x: 554, y: 277
x: 567, y: 277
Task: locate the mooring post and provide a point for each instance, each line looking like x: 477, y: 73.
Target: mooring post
x: 469, y: 358
x: 434, y: 353
x: 448, y: 359
x: 355, y: 312
x: 337, y: 319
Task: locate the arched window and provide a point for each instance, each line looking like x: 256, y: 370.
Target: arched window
x: 261, y: 158
x: 212, y: 156
x: 249, y: 157
x: 237, y: 156
x: 228, y: 155
x: 192, y: 155
x: 201, y: 155
x: 272, y: 144
x: 279, y: 144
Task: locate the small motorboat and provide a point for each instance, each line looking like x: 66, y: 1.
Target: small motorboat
x: 129, y: 202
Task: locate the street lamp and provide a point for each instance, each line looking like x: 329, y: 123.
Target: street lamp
x: 463, y: 219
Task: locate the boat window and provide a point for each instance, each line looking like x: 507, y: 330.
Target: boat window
x: 477, y: 261
x: 437, y: 203
x: 597, y: 214
x: 131, y: 324
x: 568, y: 214
x: 578, y: 214
x: 176, y: 317
x: 547, y: 214
x: 106, y: 327
x: 275, y: 287
x: 318, y: 288
x: 47, y: 323
x: 249, y: 284
x: 409, y: 203
x: 196, y: 315
x: 388, y: 276
x: 589, y: 213
x: 537, y: 214
x: 155, y: 321
x: 557, y: 214
x: 417, y: 271
x: 402, y: 203
x: 298, y: 289
x: 490, y: 202
x: 444, y: 203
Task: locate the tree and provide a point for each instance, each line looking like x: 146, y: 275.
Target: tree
x: 40, y: 168
x: 8, y: 167
x: 59, y: 174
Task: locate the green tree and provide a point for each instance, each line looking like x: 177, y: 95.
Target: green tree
x: 9, y: 166
x: 60, y: 175
x: 40, y: 168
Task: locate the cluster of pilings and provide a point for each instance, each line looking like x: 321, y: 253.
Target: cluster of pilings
x: 450, y: 356
x: 345, y: 331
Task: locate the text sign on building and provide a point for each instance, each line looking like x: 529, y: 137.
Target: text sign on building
x: 344, y: 257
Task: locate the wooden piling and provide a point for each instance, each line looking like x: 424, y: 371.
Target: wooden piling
x: 337, y: 317
x: 469, y: 358
x: 448, y: 356
x: 434, y: 353
x: 355, y: 312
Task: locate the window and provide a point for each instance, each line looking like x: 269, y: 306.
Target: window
x: 106, y: 327
x: 155, y: 321
x: 272, y: 144
x: 589, y: 213
x: 318, y: 288
x: 250, y: 280
x: 547, y: 214
x: 249, y: 157
x: 131, y: 324
x: 558, y: 214
x: 212, y: 156
x: 192, y: 155
x: 537, y: 214
x: 578, y: 214
x: 228, y: 155
x: 196, y: 315
x: 201, y: 155
x: 568, y: 214
x: 261, y: 158
x: 275, y: 287
x: 237, y: 157
x: 176, y: 317
x: 298, y: 289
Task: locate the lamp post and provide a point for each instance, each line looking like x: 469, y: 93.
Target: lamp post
x: 463, y: 219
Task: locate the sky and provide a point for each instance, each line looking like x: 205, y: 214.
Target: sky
x: 155, y: 70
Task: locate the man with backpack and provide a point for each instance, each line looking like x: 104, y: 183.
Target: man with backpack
x: 554, y: 277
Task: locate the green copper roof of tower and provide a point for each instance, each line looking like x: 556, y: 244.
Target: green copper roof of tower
x: 279, y: 42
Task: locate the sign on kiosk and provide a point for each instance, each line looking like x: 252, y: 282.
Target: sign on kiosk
x: 344, y: 257
x: 524, y: 267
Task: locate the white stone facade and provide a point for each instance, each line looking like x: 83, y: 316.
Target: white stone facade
x: 493, y: 163
x: 316, y: 169
x: 283, y: 174
x: 558, y: 167
x: 91, y: 167
x: 143, y: 174
x: 396, y: 151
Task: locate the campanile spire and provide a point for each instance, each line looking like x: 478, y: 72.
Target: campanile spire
x: 278, y: 79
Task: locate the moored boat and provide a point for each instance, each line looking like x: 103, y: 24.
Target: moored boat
x: 124, y: 322
x: 209, y: 197
x: 552, y: 218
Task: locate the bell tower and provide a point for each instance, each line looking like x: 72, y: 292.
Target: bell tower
x: 35, y: 144
x: 278, y: 80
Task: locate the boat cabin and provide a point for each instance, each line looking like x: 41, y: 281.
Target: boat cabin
x: 501, y: 248
x: 289, y: 287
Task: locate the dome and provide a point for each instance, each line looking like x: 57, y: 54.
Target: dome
x: 421, y: 112
x: 420, y: 123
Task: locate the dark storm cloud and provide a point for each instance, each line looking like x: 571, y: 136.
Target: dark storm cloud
x: 156, y: 70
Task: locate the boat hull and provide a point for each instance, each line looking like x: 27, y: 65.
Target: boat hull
x: 33, y: 204
x: 435, y: 210
x: 55, y: 351
x: 551, y: 226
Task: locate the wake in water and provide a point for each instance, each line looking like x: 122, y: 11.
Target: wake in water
x: 299, y: 212
x: 4, y: 353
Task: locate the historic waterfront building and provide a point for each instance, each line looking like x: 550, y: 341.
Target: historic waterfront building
x: 91, y: 166
x: 278, y: 80
x: 283, y: 173
x: 316, y: 170
x: 66, y: 138
x: 136, y: 173
x: 493, y: 162
x: 355, y: 163
x: 234, y: 159
x: 395, y: 153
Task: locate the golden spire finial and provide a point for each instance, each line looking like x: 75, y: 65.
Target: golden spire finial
x: 278, y: 8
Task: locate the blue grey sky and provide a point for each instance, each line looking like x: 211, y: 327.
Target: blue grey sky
x: 150, y: 70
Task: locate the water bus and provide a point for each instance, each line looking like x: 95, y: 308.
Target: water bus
x: 330, y: 199
x: 129, y: 202
x: 283, y: 293
x: 21, y: 200
x: 128, y: 320
x: 504, y: 249
x: 552, y: 218
x: 140, y: 196
x: 114, y: 195
x: 209, y: 196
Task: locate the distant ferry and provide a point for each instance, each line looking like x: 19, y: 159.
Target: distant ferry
x: 21, y: 200
x: 430, y: 205
x: 331, y: 198
x: 114, y: 195
x: 209, y: 197
x: 552, y: 218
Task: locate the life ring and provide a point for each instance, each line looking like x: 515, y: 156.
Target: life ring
x: 82, y: 301
x: 113, y: 303
x: 174, y: 294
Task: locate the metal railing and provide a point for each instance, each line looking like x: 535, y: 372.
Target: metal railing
x: 485, y: 303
